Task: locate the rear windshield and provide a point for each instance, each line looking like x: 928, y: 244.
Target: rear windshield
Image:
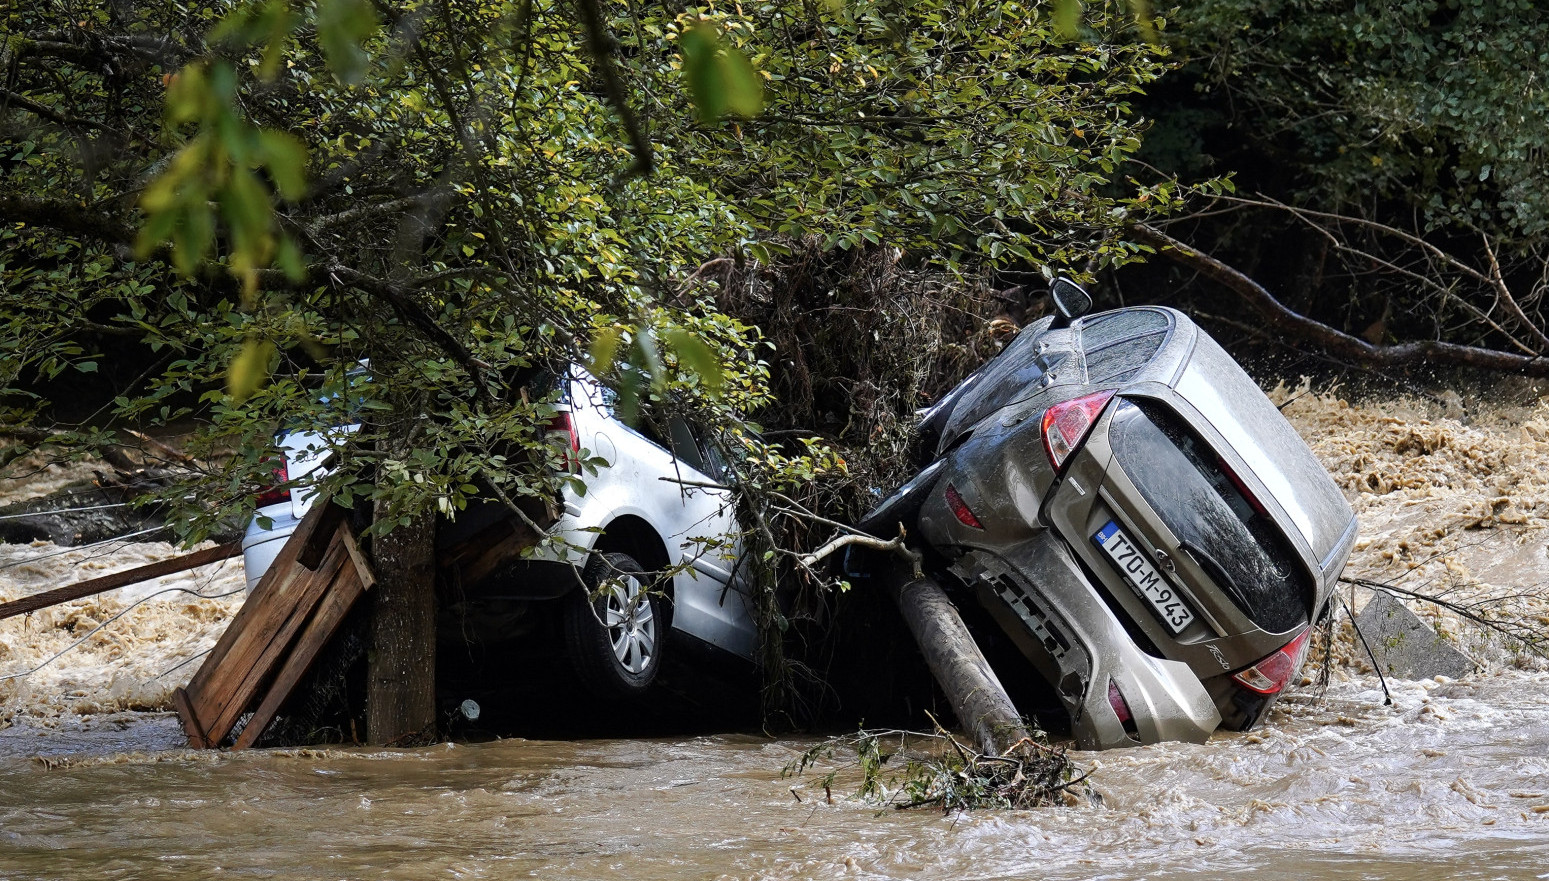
x: 1198, y: 498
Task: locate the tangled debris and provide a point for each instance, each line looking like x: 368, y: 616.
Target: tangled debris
x: 939, y: 771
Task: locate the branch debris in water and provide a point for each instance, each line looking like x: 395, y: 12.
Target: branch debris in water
x: 937, y: 770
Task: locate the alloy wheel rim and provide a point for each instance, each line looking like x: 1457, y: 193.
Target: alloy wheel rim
x: 631, y: 624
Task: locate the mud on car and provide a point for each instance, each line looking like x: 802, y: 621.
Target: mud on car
x: 1137, y: 518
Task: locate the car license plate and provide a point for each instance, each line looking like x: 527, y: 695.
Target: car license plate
x: 1143, y: 578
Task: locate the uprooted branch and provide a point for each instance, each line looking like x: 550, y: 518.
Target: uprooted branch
x: 1335, y: 342
x: 940, y: 771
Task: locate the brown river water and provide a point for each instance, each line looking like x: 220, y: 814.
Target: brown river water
x: 1451, y: 781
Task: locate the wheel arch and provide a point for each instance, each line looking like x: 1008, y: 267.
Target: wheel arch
x: 632, y: 535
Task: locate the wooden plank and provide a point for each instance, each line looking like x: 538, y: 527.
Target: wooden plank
x: 191, y: 725
x: 318, y: 539
x: 116, y: 580
x: 254, y: 625
x: 257, y: 623
x: 343, y: 591
x: 476, y: 558
x: 259, y: 605
x: 250, y: 671
x: 362, y: 568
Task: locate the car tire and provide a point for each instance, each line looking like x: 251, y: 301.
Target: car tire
x: 617, y: 628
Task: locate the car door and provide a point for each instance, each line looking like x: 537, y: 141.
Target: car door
x: 712, y: 600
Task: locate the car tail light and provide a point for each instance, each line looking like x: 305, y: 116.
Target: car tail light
x: 1121, y: 708
x: 563, y: 424
x: 276, y: 492
x: 1271, y: 674
x: 960, y: 508
x: 1065, y: 425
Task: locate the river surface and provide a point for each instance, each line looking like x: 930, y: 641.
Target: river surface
x: 1451, y: 781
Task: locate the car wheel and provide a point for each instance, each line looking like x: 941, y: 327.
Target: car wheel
x: 617, y: 629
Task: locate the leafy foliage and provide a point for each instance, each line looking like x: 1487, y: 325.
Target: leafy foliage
x: 217, y: 210
x: 1438, y: 105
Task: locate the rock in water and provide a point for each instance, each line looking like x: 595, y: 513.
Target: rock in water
x: 1405, y: 646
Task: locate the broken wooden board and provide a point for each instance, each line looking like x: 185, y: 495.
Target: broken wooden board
x: 115, y: 580
x: 293, y: 612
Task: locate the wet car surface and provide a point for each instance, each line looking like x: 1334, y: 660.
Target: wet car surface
x: 1138, y: 519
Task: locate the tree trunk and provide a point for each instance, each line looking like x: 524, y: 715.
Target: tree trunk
x: 401, y: 692
x: 978, y: 699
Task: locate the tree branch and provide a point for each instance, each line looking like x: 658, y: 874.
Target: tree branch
x: 12, y: 99
x: 67, y: 216
x: 400, y: 299
x: 1335, y: 342
x: 601, y: 44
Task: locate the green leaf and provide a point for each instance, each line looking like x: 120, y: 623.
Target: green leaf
x: 605, y: 346
x: 187, y: 94
x: 288, y: 257
x: 744, y: 88
x: 342, y: 26
x: 650, y: 361
x: 286, y: 159
x: 720, y: 77
x: 698, y: 357
x: 1067, y: 18
x: 249, y: 369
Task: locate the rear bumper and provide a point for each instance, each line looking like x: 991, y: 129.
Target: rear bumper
x: 1042, y: 599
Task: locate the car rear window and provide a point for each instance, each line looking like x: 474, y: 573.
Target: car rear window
x: 1199, y: 500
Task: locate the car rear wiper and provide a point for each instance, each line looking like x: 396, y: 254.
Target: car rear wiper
x: 1216, y: 571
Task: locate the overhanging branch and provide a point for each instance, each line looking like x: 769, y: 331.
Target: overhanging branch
x: 1334, y: 342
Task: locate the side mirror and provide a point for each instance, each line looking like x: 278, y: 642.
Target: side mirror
x: 1071, y: 301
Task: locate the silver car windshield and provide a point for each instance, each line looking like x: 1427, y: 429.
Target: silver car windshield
x: 1202, y: 502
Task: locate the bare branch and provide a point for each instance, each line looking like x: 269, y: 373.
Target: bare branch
x: 895, y: 546
x: 1492, y: 278
x: 1333, y: 341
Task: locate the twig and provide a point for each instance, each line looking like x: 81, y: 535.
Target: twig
x: 1387, y: 697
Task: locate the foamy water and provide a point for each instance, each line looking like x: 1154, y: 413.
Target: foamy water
x: 1451, y: 781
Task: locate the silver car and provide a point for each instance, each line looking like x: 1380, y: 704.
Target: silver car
x: 648, y: 549
x: 1137, y: 517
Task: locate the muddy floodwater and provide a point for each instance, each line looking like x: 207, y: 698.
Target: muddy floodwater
x: 1450, y: 781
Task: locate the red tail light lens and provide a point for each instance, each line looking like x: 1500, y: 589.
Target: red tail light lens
x: 960, y: 508
x: 1272, y: 674
x: 1242, y: 488
x: 1121, y: 708
x: 1117, y: 701
x: 1067, y: 424
x: 563, y: 424
x: 276, y: 492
